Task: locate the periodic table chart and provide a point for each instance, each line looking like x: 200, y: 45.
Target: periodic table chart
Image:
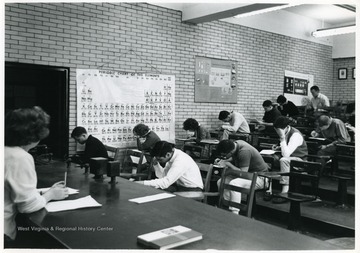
x: 110, y: 103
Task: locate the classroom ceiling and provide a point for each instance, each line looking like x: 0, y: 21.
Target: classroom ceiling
x: 336, y: 15
x: 329, y: 14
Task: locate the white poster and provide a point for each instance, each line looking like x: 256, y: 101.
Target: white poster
x: 110, y: 103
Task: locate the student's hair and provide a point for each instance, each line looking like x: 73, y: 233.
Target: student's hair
x: 324, y: 120
x: 161, y: 148
x: 78, y: 131
x: 225, y: 146
x: 281, y: 99
x: 223, y: 115
x: 267, y: 103
x: 281, y: 122
x: 315, y: 88
x: 190, y: 124
x: 141, y: 129
x: 26, y: 125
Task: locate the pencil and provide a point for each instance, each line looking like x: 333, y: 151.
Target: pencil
x: 65, y: 178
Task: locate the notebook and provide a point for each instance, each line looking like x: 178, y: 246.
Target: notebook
x: 169, y: 238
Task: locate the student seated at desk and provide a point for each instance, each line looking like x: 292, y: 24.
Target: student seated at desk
x: 240, y: 155
x: 271, y: 113
x: 334, y: 131
x: 318, y: 101
x: 24, y: 128
x: 195, y: 129
x: 180, y: 173
x: 237, y: 124
x: 287, y: 108
x: 93, y: 147
x: 145, y: 138
x: 292, y: 146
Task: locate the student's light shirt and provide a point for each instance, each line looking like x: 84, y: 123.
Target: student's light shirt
x: 20, y: 187
x: 295, y: 141
x: 320, y: 101
x: 180, y: 169
x: 237, y: 123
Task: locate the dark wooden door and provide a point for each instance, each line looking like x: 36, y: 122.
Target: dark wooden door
x: 27, y: 85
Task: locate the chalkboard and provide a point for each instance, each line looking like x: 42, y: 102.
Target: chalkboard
x: 215, y: 80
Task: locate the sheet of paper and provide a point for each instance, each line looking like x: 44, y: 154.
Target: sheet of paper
x: 267, y: 152
x: 71, y: 190
x: 152, y: 198
x: 210, y: 141
x: 136, y: 150
x: 317, y: 138
x: 136, y: 159
x: 64, y: 205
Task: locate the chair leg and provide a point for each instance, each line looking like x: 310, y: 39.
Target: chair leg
x: 294, y: 216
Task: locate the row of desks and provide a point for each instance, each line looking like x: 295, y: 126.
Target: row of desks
x: 118, y: 222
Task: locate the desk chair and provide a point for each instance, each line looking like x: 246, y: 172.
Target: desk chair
x: 78, y: 159
x: 195, y: 151
x: 266, y: 143
x: 246, y: 207
x: 206, y: 171
x: 344, y: 153
x: 41, y: 154
x: 300, y: 171
x: 98, y: 166
x: 136, y: 165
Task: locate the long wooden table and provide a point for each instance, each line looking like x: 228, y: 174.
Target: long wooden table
x: 118, y: 222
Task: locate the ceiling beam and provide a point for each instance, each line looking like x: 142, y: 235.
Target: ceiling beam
x: 200, y: 13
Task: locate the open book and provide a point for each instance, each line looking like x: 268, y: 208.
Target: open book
x: 169, y: 238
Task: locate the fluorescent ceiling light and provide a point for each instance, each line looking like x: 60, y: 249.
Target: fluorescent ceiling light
x: 265, y: 10
x: 334, y: 31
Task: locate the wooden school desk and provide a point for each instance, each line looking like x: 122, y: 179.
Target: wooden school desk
x: 118, y: 222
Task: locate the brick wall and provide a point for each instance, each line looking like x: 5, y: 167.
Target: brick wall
x: 89, y: 35
x: 344, y: 89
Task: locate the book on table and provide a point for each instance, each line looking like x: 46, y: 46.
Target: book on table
x: 169, y: 238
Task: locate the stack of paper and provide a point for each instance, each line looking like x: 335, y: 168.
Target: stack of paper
x: 152, y: 198
x: 267, y: 152
x: 64, y: 205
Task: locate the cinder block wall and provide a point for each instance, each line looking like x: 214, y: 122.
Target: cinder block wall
x: 344, y: 90
x: 89, y: 35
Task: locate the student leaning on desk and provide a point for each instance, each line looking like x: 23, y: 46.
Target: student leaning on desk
x: 146, y: 138
x: 180, y: 173
x: 334, y: 131
x: 24, y: 128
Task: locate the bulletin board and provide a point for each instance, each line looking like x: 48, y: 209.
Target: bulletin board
x: 215, y: 80
x: 111, y: 103
x: 297, y: 87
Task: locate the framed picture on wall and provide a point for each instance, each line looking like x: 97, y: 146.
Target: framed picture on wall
x: 353, y: 73
x: 342, y: 74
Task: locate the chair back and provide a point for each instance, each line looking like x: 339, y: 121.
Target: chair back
x: 230, y: 174
x: 137, y: 163
x: 206, y: 174
x: 304, y: 171
x: 313, y: 147
x: 345, y: 151
x: 113, y: 153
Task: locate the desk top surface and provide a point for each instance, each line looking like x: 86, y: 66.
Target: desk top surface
x: 118, y: 222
